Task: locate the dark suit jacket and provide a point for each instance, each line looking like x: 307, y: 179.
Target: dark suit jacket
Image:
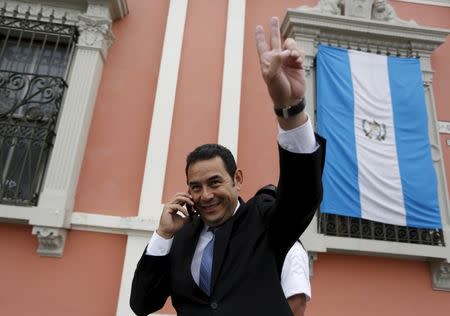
x: 249, y: 251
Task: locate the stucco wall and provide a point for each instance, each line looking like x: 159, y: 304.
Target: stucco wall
x: 86, y: 280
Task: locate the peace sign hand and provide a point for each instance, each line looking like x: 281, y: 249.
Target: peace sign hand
x: 281, y: 66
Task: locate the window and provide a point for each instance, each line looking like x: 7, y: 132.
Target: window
x: 34, y: 63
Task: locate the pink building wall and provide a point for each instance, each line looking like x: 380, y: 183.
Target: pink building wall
x: 86, y: 280
x: 115, y: 154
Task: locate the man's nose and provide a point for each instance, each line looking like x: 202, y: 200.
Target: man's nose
x: 206, y: 194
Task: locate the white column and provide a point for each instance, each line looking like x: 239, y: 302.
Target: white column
x: 232, y: 77
x: 150, y: 206
x: 135, y: 246
x: 158, y: 144
x: 58, y: 193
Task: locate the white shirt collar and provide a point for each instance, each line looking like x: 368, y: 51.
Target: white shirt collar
x: 206, y: 227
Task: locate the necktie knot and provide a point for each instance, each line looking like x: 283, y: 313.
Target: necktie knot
x: 213, y: 230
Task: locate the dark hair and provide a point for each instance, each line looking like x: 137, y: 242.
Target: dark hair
x: 209, y: 151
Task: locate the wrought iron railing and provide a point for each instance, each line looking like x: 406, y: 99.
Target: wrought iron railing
x: 345, y: 226
x: 35, y: 58
x: 29, y: 107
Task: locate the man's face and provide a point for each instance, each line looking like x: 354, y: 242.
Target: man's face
x: 214, y: 192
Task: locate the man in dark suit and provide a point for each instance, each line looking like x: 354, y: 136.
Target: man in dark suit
x: 227, y: 259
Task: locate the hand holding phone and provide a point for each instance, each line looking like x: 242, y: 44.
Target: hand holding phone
x: 192, y: 212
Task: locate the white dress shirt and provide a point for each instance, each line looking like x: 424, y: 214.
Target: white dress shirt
x: 295, y: 273
x: 298, y: 140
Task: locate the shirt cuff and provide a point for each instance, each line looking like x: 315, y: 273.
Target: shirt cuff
x: 158, y: 246
x: 300, y: 140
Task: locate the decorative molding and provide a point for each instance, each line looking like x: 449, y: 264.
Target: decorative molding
x: 439, y: 3
x: 58, y: 192
x: 444, y: 127
x: 12, y: 213
x: 40, y: 12
x: 51, y: 241
x: 435, y: 152
x: 376, y: 36
x: 95, y: 33
x: 57, y: 198
x: 440, y: 272
x: 118, y: 8
x: 379, y: 10
x: 99, y: 10
x: 64, y: 11
x: 113, y: 224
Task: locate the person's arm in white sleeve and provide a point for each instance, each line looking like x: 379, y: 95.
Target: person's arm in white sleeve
x: 158, y: 246
x: 295, y: 279
x: 298, y: 140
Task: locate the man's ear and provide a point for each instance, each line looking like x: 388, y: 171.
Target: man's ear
x: 238, y: 179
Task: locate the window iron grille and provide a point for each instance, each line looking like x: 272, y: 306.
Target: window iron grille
x: 34, y: 63
x: 345, y: 226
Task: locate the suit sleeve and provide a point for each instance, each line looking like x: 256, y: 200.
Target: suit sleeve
x: 299, y: 194
x: 151, y: 284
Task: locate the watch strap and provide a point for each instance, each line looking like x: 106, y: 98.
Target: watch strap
x: 289, y: 111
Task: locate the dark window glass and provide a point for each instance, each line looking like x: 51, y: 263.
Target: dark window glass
x: 34, y: 62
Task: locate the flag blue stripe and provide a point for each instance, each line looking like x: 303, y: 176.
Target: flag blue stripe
x: 417, y: 173
x: 335, y: 108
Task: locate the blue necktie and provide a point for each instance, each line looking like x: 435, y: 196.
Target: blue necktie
x: 206, y: 264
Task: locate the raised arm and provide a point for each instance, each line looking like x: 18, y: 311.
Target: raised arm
x: 283, y: 72
x: 299, y: 187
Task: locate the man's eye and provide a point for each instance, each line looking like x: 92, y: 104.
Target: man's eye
x: 215, y: 183
x: 195, y: 189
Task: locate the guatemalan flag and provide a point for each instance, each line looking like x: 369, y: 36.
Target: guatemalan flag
x: 371, y: 109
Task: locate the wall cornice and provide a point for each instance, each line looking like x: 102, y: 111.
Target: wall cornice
x: 325, y: 26
x: 439, y: 3
x: 62, y: 11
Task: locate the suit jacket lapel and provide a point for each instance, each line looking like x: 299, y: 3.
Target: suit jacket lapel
x: 223, y: 235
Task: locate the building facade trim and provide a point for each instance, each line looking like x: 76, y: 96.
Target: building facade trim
x: 150, y: 206
x: 53, y: 213
x: 444, y: 127
x: 51, y: 241
x: 61, y: 11
x: 159, y: 137
x: 440, y: 275
x: 439, y: 3
x: 232, y: 77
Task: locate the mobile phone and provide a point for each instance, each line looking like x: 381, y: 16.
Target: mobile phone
x: 191, y: 211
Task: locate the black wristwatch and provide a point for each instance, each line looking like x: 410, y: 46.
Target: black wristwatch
x: 292, y: 110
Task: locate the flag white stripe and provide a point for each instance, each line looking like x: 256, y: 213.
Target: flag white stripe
x: 379, y: 176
